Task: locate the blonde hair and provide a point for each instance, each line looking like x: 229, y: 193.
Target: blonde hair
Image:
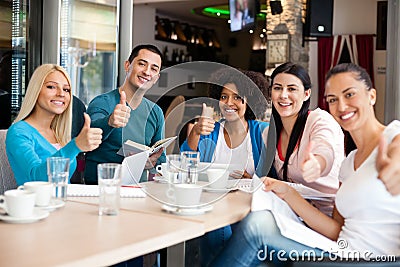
x: 61, y: 124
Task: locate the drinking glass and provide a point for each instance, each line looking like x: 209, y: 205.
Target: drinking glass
x: 58, y: 174
x: 173, y: 168
x: 109, y: 177
x: 190, y: 163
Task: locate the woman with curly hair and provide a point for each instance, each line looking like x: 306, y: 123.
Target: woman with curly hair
x: 238, y: 139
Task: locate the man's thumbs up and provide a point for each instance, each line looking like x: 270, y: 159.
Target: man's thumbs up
x: 122, y: 100
x: 120, y: 116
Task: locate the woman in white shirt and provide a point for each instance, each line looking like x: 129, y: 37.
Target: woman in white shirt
x: 366, y: 220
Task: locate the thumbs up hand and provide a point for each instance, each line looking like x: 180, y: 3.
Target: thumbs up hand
x: 120, y: 116
x: 311, y: 167
x: 387, y: 165
x: 89, y: 138
x: 206, y: 124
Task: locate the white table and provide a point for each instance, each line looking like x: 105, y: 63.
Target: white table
x: 230, y: 208
x: 76, y: 236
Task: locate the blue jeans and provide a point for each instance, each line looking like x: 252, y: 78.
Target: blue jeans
x: 212, y: 243
x: 256, y: 239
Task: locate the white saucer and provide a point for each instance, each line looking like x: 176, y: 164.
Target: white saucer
x: 187, y: 211
x: 218, y: 190
x: 38, y: 214
x: 160, y: 179
x: 54, y: 204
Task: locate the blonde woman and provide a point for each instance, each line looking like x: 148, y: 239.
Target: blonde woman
x: 42, y: 128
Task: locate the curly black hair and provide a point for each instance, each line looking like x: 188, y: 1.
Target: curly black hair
x: 249, y: 85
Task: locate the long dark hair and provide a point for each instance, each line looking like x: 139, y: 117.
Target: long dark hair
x: 360, y: 75
x: 298, y: 128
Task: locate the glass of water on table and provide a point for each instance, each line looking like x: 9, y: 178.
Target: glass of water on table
x: 58, y: 174
x: 109, y: 177
x: 190, y: 163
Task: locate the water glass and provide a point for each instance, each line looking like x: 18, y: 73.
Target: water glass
x: 58, y: 174
x: 190, y: 163
x: 109, y: 177
x: 174, y: 167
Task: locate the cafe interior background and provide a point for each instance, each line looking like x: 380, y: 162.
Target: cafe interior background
x: 92, y: 38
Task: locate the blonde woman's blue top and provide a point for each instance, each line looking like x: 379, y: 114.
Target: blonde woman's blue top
x: 27, y: 151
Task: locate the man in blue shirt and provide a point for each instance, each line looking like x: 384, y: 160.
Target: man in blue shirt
x: 125, y: 114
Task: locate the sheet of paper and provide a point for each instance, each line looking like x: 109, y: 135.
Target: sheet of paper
x: 310, y: 193
x: 290, y: 225
x: 248, y: 185
x: 82, y: 190
x: 132, y: 168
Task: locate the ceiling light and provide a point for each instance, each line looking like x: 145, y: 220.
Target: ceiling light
x: 222, y: 11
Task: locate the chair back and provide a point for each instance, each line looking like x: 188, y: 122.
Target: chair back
x: 7, y: 180
x: 173, y: 119
x: 174, y: 103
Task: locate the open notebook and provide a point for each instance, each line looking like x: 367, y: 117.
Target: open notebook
x: 81, y: 190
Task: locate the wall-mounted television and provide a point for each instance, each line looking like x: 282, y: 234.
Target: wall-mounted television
x: 243, y: 14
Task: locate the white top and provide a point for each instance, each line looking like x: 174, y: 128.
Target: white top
x: 372, y: 214
x: 57, y: 146
x: 241, y: 155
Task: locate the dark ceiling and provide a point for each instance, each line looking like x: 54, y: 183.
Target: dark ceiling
x: 182, y: 10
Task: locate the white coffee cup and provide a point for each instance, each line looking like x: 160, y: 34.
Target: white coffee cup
x: 162, y: 169
x: 43, y: 191
x: 172, y: 177
x: 218, y: 178
x: 185, y: 194
x: 18, y: 203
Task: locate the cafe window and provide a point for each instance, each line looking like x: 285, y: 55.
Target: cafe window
x: 14, y: 49
x: 88, y: 47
